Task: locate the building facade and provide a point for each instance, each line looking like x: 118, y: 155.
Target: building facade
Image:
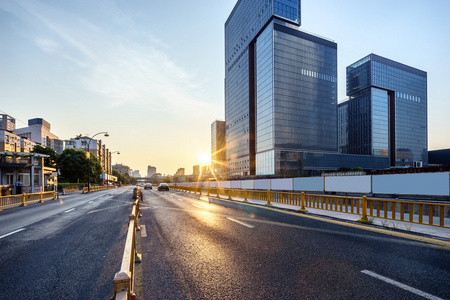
x: 7, y: 122
x: 151, y: 171
x: 218, y: 147
x: 386, y: 113
x: 38, y: 131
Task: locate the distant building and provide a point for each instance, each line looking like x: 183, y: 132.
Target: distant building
x: 218, y: 147
x: 96, y: 148
x: 196, y: 170
x: 386, y: 114
x: 26, y: 145
x: 7, y: 122
x: 38, y: 131
x: 136, y: 174
x: 122, y: 169
x: 151, y: 171
x: 9, y: 141
x: 180, y: 172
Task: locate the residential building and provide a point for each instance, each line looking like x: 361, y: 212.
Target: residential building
x: 122, y: 169
x: 9, y: 141
x: 38, y: 131
x: 151, y: 171
x: 218, y: 147
x: 7, y: 122
x: 95, y: 147
x: 196, y: 170
x: 386, y: 113
x: 26, y: 145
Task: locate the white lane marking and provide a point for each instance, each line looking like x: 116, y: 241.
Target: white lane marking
x: 90, y: 201
x: 171, y: 196
x: 143, y: 231
x: 401, y: 285
x: 12, y: 232
x: 180, y: 199
x: 196, y: 205
x: 69, y: 210
x: 242, y: 223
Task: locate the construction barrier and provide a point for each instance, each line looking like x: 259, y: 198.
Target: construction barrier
x: 23, y: 199
x: 124, y: 279
x: 423, y: 213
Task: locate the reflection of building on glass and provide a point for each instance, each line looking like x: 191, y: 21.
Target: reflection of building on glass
x: 386, y: 113
x: 218, y: 149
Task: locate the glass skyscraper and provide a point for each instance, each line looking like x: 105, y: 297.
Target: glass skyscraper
x: 386, y: 113
x: 280, y: 89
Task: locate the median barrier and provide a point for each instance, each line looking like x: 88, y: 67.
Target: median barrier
x: 98, y: 188
x: 415, y: 212
x: 124, y: 279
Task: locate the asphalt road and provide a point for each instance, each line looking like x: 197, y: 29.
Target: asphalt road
x: 68, y: 249
x: 199, y: 248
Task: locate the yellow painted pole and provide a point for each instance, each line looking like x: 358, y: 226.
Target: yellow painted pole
x: 229, y: 193
x: 208, y: 191
x: 268, y: 198
x: 364, y: 218
x: 23, y: 200
x: 303, y: 209
x: 245, y: 195
x: 40, y: 198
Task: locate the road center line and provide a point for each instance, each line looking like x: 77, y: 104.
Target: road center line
x: 196, y: 205
x: 401, y: 285
x: 12, y: 232
x: 143, y: 231
x: 242, y: 223
x: 69, y: 210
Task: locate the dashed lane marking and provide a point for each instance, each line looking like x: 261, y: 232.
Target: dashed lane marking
x: 143, y: 231
x: 12, y: 232
x: 197, y: 206
x: 242, y: 223
x: 69, y: 210
x: 401, y: 285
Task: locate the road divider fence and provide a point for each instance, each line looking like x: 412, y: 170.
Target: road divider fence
x: 98, y: 188
x: 124, y: 279
x: 415, y: 212
x: 23, y: 199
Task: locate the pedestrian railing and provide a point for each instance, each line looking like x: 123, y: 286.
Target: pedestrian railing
x: 423, y: 213
x: 23, y: 199
x: 98, y: 188
x: 124, y: 279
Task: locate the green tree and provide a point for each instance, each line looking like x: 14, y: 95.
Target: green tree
x: 48, y: 161
x: 73, y: 165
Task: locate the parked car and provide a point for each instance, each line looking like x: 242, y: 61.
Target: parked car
x: 163, y: 187
x: 148, y: 186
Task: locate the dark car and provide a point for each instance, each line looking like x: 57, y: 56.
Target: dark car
x: 148, y: 186
x: 163, y: 187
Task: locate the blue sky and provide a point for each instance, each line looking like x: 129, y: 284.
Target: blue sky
x: 151, y: 72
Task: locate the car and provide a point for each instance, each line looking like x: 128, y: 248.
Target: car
x: 148, y: 186
x: 163, y: 187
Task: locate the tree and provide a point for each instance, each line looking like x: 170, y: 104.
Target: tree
x: 73, y: 165
x: 48, y: 161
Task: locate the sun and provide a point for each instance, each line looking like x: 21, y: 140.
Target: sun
x: 204, y: 159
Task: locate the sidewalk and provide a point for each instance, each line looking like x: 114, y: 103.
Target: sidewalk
x: 433, y: 231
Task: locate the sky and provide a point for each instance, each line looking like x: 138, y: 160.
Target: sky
x: 151, y: 72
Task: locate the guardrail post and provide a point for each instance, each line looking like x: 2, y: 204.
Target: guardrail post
x: 122, y: 283
x: 268, y: 198
x: 229, y: 193
x: 23, y: 200
x: 40, y: 198
x: 54, y: 195
x: 245, y: 195
x: 208, y: 191
x: 302, y: 209
x: 364, y: 218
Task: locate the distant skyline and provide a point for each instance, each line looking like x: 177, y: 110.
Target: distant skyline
x: 151, y: 72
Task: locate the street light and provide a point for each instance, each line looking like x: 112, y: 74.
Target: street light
x: 78, y: 137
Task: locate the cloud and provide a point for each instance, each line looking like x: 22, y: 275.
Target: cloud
x: 113, y: 63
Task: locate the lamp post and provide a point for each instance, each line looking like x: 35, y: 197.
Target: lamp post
x: 78, y: 137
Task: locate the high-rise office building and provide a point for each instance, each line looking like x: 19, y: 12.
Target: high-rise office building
x: 218, y: 149
x: 386, y: 113
x: 151, y: 171
x: 280, y: 89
